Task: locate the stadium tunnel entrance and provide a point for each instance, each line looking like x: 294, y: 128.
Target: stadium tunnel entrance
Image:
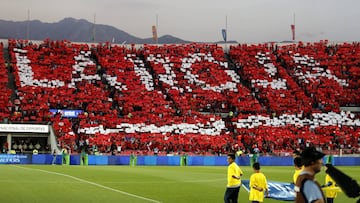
x: 24, y: 139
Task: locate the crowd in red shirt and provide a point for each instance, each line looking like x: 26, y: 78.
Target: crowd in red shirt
x: 171, y: 97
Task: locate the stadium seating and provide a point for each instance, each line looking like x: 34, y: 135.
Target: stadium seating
x: 5, y: 92
x: 170, y: 97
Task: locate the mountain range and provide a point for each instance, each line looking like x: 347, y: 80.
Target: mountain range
x: 75, y: 30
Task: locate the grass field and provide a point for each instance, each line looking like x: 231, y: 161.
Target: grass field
x: 140, y: 184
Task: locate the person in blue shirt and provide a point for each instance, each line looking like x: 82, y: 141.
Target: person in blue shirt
x: 307, y: 189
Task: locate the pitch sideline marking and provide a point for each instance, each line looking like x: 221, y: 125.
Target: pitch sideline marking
x: 92, y: 183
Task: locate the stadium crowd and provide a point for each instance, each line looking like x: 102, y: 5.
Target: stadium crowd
x: 191, y: 98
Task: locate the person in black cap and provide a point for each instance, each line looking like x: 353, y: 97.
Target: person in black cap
x: 307, y: 189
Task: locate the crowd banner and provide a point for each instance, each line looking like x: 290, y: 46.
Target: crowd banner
x: 277, y: 190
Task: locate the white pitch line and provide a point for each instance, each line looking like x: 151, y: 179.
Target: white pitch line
x: 245, y: 187
x: 92, y: 183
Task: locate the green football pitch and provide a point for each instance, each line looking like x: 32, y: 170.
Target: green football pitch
x: 140, y: 184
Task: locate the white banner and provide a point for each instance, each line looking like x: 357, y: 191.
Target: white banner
x: 24, y: 128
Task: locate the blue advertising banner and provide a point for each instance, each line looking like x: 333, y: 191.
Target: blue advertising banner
x: 15, y: 159
x: 277, y: 190
x: 160, y: 160
x: 98, y: 160
x: 67, y: 113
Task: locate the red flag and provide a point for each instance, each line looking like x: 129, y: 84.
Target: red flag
x: 154, y: 32
x: 293, y: 31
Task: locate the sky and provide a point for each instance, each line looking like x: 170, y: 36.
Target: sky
x: 248, y: 21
